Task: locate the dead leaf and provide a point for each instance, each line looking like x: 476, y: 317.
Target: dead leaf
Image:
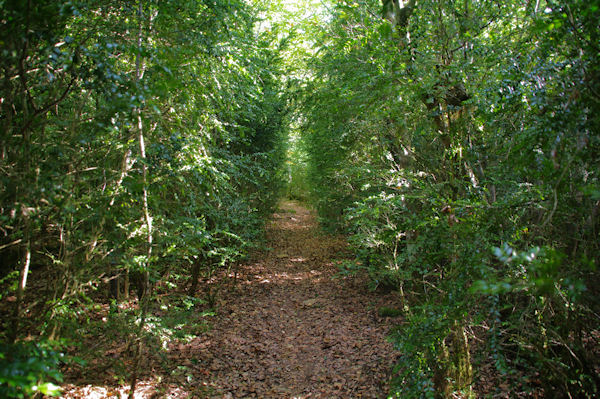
x: 310, y: 302
x: 289, y: 329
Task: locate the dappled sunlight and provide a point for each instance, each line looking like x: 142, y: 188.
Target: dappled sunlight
x: 284, y: 328
x: 291, y: 330
x: 147, y: 388
x: 276, y: 278
x: 299, y: 259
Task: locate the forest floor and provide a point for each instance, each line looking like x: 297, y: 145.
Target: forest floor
x: 289, y: 326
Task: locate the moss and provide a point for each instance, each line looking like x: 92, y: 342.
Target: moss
x: 453, y: 371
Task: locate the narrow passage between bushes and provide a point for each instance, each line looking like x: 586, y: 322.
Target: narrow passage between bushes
x: 287, y: 327
x: 294, y: 330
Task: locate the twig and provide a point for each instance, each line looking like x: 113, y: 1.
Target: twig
x: 11, y: 244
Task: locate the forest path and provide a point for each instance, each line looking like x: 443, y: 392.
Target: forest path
x: 287, y: 327
x: 292, y: 330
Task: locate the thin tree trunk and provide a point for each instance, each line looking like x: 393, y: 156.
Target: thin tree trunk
x: 28, y: 108
x: 148, y: 219
x: 21, y: 289
x: 141, y: 141
x: 138, y: 348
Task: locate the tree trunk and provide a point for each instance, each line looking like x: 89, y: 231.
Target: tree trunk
x: 25, y: 262
x: 148, y: 219
x: 453, y: 371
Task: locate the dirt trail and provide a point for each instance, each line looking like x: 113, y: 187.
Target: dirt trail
x: 287, y: 328
x: 292, y: 330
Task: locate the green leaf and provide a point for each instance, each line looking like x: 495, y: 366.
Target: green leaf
x: 49, y: 388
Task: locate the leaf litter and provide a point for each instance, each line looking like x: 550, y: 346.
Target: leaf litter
x: 294, y: 330
x: 288, y: 326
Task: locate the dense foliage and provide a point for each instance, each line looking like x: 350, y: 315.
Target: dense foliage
x: 457, y: 143
x: 142, y: 145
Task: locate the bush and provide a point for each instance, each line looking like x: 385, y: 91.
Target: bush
x: 28, y: 368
